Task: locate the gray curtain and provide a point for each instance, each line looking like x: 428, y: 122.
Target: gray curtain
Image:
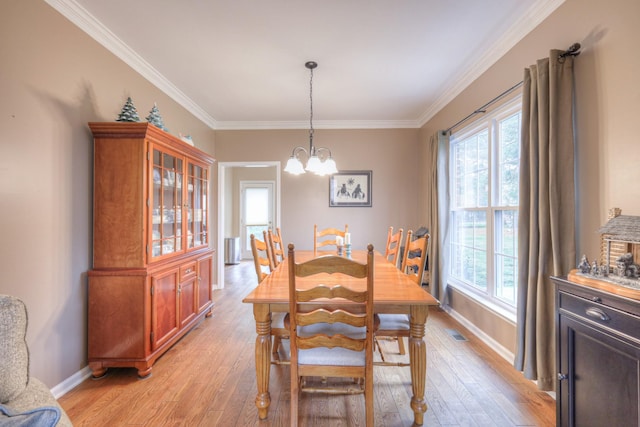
x: 437, y: 213
x: 546, y: 232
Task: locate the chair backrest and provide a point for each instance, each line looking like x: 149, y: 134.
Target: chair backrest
x: 393, y: 245
x: 261, y: 257
x: 327, y: 236
x: 277, y: 249
x: 414, y: 257
x: 324, y: 303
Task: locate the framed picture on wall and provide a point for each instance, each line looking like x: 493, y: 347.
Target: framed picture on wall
x: 350, y: 189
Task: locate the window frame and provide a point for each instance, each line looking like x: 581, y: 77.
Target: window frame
x: 489, y: 121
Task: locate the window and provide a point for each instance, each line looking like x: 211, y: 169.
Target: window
x: 484, y: 174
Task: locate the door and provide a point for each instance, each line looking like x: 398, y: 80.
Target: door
x: 166, y: 200
x: 164, y: 307
x: 197, y: 205
x: 205, y: 267
x: 187, y: 293
x: 256, y: 211
x: 593, y: 392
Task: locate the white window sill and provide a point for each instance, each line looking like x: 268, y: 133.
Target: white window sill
x: 507, y: 314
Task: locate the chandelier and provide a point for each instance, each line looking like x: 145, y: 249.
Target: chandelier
x: 319, y: 159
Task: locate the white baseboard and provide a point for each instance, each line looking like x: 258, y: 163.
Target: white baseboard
x: 493, y: 344
x: 67, y: 385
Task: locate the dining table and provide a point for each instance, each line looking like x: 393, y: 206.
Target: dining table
x: 394, y: 292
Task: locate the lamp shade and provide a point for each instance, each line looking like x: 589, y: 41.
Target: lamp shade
x: 294, y: 166
x: 313, y: 164
x: 330, y: 166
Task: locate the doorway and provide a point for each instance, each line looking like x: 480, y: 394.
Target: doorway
x: 256, y: 212
x: 228, y: 216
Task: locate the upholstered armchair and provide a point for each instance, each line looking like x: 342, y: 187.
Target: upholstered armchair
x: 24, y: 400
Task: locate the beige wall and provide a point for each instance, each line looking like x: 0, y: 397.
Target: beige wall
x: 53, y: 80
x: 607, y: 103
x: 390, y: 154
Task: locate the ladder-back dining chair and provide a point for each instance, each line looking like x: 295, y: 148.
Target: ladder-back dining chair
x: 396, y: 326
x: 327, y: 237
x: 414, y: 258
x: 392, y: 250
x: 263, y: 263
x: 277, y: 248
x: 331, y: 325
x: 262, y: 259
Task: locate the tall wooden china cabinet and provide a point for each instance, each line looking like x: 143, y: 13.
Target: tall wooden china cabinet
x: 152, y: 265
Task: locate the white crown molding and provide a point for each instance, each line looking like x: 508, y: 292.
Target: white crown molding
x: 321, y: 124
x: 94, y: 28
x: 516, y: 32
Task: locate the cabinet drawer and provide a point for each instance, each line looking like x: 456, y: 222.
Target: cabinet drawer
x: 188, y: 271
x: 601, y: 314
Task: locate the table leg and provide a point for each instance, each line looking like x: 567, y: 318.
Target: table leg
x: 262, y: 316
x: 418, y: 360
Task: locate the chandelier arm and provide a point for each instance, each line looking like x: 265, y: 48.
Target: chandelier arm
x: 320, y: 149
x: 297, y: 150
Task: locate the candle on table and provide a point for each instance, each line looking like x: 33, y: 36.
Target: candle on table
x: 347, y: 238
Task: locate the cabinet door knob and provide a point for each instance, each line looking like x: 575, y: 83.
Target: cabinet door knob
x: 597, y: 314
x: 562, y: 377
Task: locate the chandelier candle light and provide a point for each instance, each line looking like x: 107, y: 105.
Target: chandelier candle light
x: 320, y: 166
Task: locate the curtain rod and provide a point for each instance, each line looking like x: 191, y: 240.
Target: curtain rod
x: 482, y: 109
x: 574, y: 50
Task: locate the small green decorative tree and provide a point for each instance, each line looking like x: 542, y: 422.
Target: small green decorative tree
x: 128, y: 113
x: 155, y: 119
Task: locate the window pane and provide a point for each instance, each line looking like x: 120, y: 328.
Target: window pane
x: 508, y: 160
x: 470, y: 170
x: 469, y: 247
x: 484, y: 182
x: 506, y: 255
x: 256, y: 201
x: 483, y: 188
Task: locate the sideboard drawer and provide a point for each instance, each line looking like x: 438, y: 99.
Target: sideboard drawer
x: 593, y: 311
x: 187, y: 271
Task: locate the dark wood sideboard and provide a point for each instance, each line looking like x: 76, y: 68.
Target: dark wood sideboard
x: 598, y: 356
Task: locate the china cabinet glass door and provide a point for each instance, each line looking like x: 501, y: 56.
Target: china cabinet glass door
x: 166, y: 203
x: 197, y: 202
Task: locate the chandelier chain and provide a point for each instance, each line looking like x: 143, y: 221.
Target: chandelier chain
x: 311, y: 109
x: 320, y: 165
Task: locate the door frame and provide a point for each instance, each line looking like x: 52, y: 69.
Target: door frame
x: 222, y: 168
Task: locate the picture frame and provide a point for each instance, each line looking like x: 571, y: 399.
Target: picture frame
x: 350, y: 189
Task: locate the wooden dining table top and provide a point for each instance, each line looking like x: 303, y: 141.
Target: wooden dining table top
x: 391, y: 286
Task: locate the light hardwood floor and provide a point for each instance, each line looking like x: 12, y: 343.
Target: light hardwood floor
x: 208, y: 379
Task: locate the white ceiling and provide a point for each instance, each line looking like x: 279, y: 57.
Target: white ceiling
x: 240, y: 64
